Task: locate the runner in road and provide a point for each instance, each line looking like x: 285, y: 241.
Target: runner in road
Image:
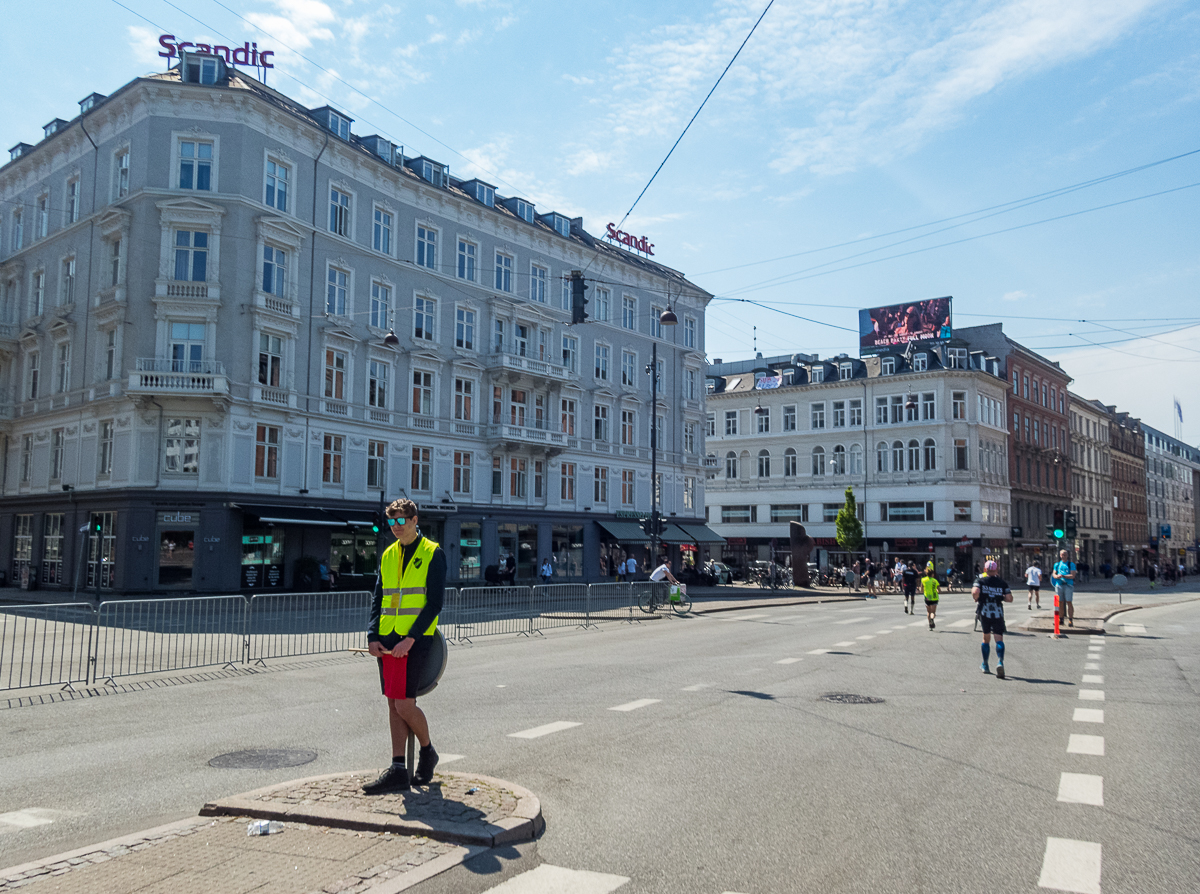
x: 909, y: 579
x: 930, y: 585
x: 1033, y: 580
x: 990, y: 591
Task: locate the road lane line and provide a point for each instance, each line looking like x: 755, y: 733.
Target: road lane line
x: 1081, y: 788
x: 882, y: 632
x: 866, y: 636
x: 1133, y: 628
x: 851, y: 620
x: 696, y: 687
x: 1092, y: 695
x: 962, y: 622
x: 548, y: 879
x: 449, y: 758
x: 28, y: 818
x: 544, y: 730
x: 1071, y: 866
x: 1089, y: 715
x: 1092, y: 666
x: 819, y: 652
x: 743, y: 618
x: 921, y: 624
x: 1093, y: 678
x: 843, y: 644
x: 638, y: 703
x: 788, y: 660
x: 1081, y: 744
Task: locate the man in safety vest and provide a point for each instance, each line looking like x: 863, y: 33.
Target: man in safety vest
x: 404, y: 615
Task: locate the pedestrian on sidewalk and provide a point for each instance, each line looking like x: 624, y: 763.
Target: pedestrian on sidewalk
x: 990, y: 591
x: 1063, y: 578
x: 929, y: 584
x: 404, y: 615
x: 547, y: 571
x: 908, y: 577
x: 1033, y: 580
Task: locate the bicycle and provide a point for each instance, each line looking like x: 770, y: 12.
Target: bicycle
x: 677, y: 599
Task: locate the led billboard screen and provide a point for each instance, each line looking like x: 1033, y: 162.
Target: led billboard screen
x: 882, y: 328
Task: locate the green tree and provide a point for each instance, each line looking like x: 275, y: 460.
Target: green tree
x: 849, y: 528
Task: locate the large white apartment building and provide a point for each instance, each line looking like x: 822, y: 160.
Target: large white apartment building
x: 199, y: 283
x: 1091, y: 482
x: 922, y: 441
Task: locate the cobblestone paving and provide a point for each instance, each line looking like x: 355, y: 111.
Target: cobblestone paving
x: 448, y: 799
x: 216, y: 855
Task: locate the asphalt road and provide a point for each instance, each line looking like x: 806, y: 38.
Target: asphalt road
x: 726, y: 771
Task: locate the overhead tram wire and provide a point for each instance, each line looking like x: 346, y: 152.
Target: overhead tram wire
x: 799, y: 277
x: 1019, y: 203
x: 693, y: 118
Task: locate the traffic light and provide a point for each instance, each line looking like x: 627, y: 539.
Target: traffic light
x: 1050, y: 535
x: 653, y: 526
x: 578, y: 302
x: 375, y: 525
x: 1071, y: 526
x: 1060, y: 525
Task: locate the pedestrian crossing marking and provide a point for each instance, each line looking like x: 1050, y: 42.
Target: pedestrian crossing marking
x: 1081, y: 744
x: 1092, y: 695
x: 921, y: 624
x: 1092, y: 666
x: 548, y: 879
x: 1133, y: 628
x: 1081, y: 788
x: 544, y: 730
x: 962, y: 622
x: 634, y: 705
x: 1071, y: 866
x: 1093, y: 678
x: 1089, y: 715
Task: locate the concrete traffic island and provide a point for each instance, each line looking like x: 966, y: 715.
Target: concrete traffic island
x: 334, y: 840
x: 462, y: 808
x: 1088, y: 619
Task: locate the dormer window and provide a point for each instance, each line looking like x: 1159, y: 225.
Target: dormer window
x: 484, y: 194
x: 558, y: 223
x: 920, y: 362
x: 710, y: 386
x: 956, y: 358
x: 524, y: 210
x: 200, y: 69
x: 433, y: 173
x: 789, y: 376
x: 53, y: 127
x: 888, y: 366
x: 817, y: 375
x: 18, y: 150
x: 845, y: 371
x: 90, y: 102
x: 339, y: 125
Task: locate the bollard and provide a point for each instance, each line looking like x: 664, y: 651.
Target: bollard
x: 1056, y: 633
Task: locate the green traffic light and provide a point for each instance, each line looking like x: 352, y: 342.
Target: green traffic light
x: 1059, y: 533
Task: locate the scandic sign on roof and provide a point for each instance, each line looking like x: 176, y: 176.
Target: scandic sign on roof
x: 246, y: 54
x: 638, y: 243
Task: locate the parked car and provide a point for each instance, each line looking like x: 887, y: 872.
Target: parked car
x: 721, y: 573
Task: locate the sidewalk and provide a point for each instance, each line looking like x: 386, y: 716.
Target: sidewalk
x: 335, y: 840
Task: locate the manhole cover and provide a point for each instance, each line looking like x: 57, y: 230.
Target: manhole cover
x: 849, y: 698
x: 263, y: 759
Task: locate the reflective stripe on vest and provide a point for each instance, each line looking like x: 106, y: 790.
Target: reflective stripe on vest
x: 404, y: 595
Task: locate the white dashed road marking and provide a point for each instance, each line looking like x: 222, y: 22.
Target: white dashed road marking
x: 743, y: 617
x: 449, y: 758
x: 788, y: 660
x: 547, y: 879
x: 1093, y: 678
x: 866, y: 636
x: 924, y: 624
x: 843, y: 644
x: 695, y: 687
x: 30, y: 817
x: 882, y: 632
x: 1133, y: 628
x: 1092, y: 666
x: 1080, y: 744
x: 819, y: 652
x: 546, y: 729
x: 962, y: 622
x: 1089, y: 715
x: 1092, y: 695
x: 851, y: 620
x: 1081, y: 788
x: 634, y: 705
x: 1071, y: 866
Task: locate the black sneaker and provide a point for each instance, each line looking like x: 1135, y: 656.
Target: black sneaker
x: 999, y: 671
x: 425, y: 763
x: 931, y: 623
x: 393, y: 779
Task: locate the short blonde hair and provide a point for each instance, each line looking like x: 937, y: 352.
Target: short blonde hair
x: 407, y: 508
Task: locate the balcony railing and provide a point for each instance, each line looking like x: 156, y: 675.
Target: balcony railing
x: 515, y: 360
x: 161, y: 375
x: 507, y: 431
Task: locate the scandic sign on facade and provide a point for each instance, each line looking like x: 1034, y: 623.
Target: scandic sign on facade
x: 638, y: 243
x: 246, y: 54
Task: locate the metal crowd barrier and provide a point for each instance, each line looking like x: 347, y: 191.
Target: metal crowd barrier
x: 46, y: 645
x: 150, y: 635
x: 43, y: 645
x: 284, y: 625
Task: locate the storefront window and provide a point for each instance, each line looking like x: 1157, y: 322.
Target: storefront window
x: 567, y: 552
x: 527, y: 557
x: 176, y: 557
x: 470, y: 546
x: 353, y: 553
x: 262, y: 558
x: 102, y: 551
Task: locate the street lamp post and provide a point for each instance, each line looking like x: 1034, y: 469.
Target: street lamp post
x: 667, y: 318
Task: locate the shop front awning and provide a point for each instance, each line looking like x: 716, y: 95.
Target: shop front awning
x: 674, y: 534
x: 624, y: 531
x: 700, y: 534
x: 291, y: 515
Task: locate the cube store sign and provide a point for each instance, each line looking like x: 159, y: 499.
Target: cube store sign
x: 246, y: 54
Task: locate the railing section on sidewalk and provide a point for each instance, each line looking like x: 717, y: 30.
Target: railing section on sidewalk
x: 61, y: 645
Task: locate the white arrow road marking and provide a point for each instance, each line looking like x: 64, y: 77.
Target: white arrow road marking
x: 1071, y: 866
x: 556, y: 727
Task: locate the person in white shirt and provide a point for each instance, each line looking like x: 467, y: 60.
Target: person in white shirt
x: 663, y: 572
x: 1033, y: 580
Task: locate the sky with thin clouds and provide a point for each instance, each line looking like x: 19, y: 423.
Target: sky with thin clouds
x: 858, y: 153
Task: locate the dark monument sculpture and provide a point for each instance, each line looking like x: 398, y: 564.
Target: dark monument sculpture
x: 802, y: 545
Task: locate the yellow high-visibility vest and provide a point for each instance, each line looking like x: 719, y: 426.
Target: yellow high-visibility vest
x: 404, y: 596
